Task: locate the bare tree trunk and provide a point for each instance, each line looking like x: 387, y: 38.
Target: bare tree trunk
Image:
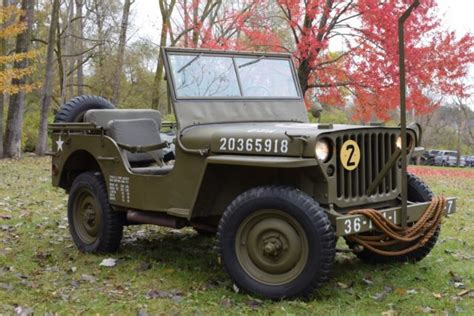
x: 159, y: 71
x: 121, y: 52
x: 101, y: 39
x: 48, y: 81
x: 70, y: 51
x: 166, y: 12
x: 80, y: 46
x: 16, y: 107
x: 5, y: 3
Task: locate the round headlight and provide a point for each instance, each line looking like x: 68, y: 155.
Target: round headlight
x: 399, y: 142
x: 322, y: 150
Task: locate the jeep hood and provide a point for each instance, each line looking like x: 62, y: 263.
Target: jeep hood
x: 269, y: 138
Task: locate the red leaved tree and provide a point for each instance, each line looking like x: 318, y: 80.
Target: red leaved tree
x: 367, y: 67
x: 363, y: 68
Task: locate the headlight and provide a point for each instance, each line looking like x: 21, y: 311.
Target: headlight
x: 399, y: 142
x: 323, y: 150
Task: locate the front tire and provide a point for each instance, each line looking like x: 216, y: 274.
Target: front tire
x: 276, y: 242
x: 418, y: 191
x: 94, y: 226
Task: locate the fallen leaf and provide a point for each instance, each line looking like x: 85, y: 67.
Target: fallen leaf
x: 390, y: 312
x: 88, y: 278
x: 367, y: 281
x: 412, y: 291
x: 464, y: 292
x: 438, y: 295
x: 381, y: 295
x: 109, y: 262
x: 344, y: 285
x: 227, y: 302
x: 235, y: 288
x: 459, y: 285
x: 23, y: 311
x: 254, y: 303
x: 427, y: 310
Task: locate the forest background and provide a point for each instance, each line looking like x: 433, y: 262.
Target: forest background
x: 345, y: 52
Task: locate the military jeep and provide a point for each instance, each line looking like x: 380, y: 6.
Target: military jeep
x: 242, y: 161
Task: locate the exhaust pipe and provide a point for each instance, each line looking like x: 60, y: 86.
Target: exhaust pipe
x: 140, y: 217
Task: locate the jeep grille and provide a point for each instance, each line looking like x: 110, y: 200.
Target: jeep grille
x: 376, y: 147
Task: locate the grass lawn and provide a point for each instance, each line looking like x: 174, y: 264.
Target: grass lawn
x: 176, y: 272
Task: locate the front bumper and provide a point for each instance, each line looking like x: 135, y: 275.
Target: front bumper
x: 356, y: 224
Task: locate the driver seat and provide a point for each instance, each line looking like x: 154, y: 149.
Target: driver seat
x: 139, y: 132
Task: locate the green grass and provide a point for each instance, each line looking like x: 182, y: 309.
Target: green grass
x: 41, y: 270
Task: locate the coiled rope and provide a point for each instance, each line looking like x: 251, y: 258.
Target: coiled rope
x: 395, y: 240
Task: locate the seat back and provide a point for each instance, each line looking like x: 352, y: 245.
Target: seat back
x: 103, y: 117
x: 137, y: 132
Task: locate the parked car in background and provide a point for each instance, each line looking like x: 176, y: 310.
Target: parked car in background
x: 448, y: 158
x: 428, y: 158
x: 469, y: 161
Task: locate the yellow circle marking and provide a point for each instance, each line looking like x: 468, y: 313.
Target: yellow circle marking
x: 350, y: 155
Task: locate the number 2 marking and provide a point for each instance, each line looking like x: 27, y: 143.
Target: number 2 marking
x: 351, y: 150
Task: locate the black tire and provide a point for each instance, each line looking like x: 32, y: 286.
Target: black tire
x: 74, y: 109
x: 418, y: 191
x: 303, y: 214
x: 101, y: 231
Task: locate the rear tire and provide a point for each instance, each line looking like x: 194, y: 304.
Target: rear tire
x: 94, y: 226
x: 418, y: 191
x: 276, y: 242
x: 74, y: 109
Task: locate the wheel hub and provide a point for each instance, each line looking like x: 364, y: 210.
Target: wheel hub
x: 87, y: 218
x: 272, y: 246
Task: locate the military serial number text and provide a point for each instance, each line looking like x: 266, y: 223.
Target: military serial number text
x: 258, y: 145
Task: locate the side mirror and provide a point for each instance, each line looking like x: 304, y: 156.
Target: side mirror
x: 316, y: 110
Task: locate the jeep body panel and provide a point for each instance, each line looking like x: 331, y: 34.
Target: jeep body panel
x: 225, y: 146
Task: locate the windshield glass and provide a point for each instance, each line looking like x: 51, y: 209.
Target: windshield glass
x: 266, y: 77
x: 200, y: 76
x: 204, y: 76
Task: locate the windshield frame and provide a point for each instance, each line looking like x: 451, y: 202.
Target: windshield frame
x: 215, y: 53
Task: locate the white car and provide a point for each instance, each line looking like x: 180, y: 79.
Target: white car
x: 449, y: 158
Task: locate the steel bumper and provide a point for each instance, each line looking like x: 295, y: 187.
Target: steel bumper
x: 355, y: 224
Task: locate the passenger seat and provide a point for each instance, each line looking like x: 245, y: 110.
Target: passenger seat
x: 140, y: 132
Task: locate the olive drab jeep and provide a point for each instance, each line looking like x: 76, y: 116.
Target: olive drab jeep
x: 243, y: 161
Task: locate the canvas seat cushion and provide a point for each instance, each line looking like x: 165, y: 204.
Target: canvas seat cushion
x: 103, y: 117
x: 137, y: 132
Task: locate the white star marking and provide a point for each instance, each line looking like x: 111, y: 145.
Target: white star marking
x: 60, y: 143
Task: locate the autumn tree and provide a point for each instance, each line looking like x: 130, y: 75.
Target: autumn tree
x: 366, y: 67
x: 14, y: 80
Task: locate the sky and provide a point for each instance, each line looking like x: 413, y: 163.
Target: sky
x: 456, y: 14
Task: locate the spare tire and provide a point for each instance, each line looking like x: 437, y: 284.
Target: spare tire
x: 74, y: 109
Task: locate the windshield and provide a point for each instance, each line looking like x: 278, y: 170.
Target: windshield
x: 201, y: 76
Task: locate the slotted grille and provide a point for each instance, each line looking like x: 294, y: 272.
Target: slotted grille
x: 376, y: 148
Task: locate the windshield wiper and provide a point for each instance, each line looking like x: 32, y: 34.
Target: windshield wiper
x: 189, y: 63
x: 252, y: 62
